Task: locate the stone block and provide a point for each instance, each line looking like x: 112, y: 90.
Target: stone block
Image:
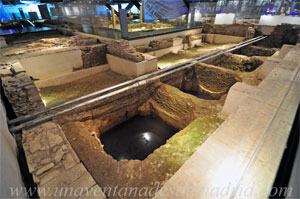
x: 266, y: 68
x: 121, y: 48
x: 85, y: 181
x: 236, y: 96
x: 69, y: 161
x: 130, y: 68
x: 44, y: 168
x: 284, y: 51
x: 54, y: 139
x: 94, y: 55
x: 74, y: 173
x: 49, y: 176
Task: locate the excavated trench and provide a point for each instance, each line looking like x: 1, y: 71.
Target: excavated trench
x: 136, y: 138
x: 141, y: 137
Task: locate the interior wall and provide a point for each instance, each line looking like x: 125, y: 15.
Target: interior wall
x: 10, y: 176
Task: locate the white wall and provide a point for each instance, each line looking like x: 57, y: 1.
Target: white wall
x: 51, y: 64
x: 10, y: 176
x: 277, y: 20
x: 145, y: 41
x: 225, y: 18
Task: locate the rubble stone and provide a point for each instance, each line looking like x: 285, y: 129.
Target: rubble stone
x: 20, y: 90
x: 93, y: 55
x: 81, y: 41
x: 121, y: 48
x: 256, y: 51
x: 282, y: 34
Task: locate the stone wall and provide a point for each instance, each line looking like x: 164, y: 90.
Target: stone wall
x: 93, y: 55
x: 209, y: 81
x: 234, y: 29
x: 203, y: 79
x: 122, y: 48
x: 282, y: 34
x: 238, y: 62
x: 155, y: 45
x: 54, y: 165
x: 20, y: 90
x: 176, y: 108
x: 105, y: 114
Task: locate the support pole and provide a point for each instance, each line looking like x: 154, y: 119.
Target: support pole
x: 123, y: 23
x: 113, y: 17
x: 141, y: 14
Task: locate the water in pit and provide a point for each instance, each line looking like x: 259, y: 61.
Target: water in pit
x: 136, y: 138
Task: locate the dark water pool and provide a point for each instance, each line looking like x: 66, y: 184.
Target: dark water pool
x: 136, y: 138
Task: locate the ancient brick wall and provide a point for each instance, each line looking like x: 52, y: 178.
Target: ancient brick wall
x: 122, y: 48
x: 94, y: 55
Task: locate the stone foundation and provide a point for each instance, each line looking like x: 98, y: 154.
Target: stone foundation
x: 20, y: 90
x: 54, y: 165
x: 121, y: 48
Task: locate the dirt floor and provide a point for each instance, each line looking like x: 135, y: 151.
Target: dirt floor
x: 173, y: 58
x: 58, y: 94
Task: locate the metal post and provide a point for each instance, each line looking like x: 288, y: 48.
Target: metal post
x: 123, y: 23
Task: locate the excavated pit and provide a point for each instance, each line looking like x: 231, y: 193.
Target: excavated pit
x: 141, y: 137
x: 237, y: 62
x: 255, y: 51
x: 136, y: 138
x: 170, y: 123
x: 171, y: 117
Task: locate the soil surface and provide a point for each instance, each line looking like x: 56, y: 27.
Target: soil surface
x: 58, y: 94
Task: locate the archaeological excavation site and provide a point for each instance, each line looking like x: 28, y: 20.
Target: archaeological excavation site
x: 149, y: 99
